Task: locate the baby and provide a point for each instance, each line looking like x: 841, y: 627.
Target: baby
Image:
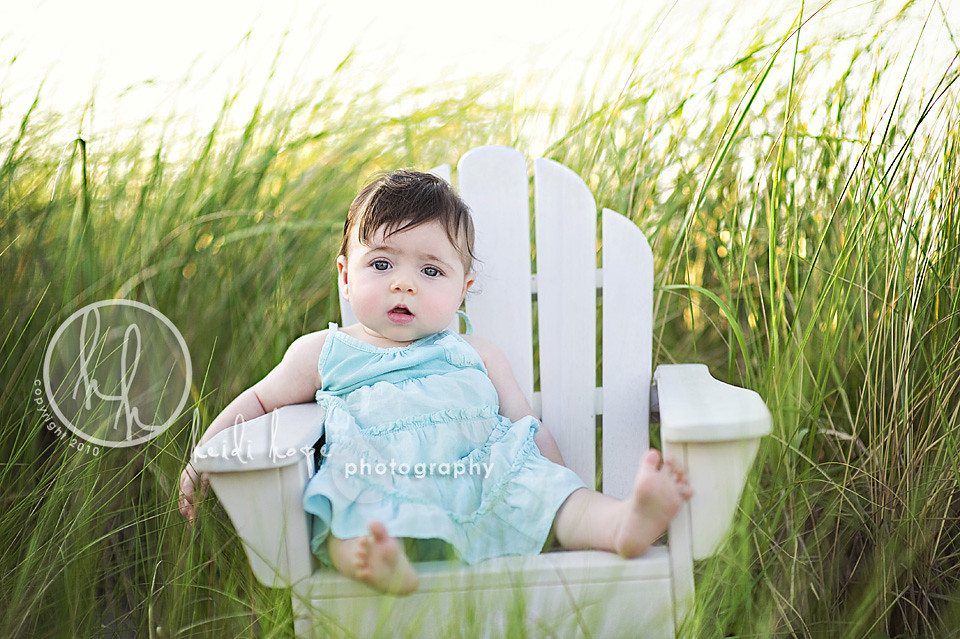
x: 428, y: 435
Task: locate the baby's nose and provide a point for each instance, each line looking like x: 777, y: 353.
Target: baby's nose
x: 404, y: 283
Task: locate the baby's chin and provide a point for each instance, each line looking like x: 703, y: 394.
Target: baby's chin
x: 399, y: 334
x: 401, y: 327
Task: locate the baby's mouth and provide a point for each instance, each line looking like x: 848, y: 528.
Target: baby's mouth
x: 400, y: 314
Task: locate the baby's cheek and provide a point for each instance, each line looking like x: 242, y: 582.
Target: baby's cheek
x: 447, y: 306
x: 362, y: 301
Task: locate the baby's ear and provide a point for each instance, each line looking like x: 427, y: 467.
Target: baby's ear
x: 342, y: 277
x: 468, y: 280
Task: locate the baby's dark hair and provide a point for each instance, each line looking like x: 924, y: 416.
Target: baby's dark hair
x: 404, y: 199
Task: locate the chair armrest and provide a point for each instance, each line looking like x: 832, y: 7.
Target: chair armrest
x: 258, y: 470
x: 279, y: 438
x: 713, y: 431
x: 694, y: 407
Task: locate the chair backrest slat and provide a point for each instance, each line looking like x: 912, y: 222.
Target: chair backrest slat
x: 566, y: 230
x: 494, y: 183
x: 627, y: 350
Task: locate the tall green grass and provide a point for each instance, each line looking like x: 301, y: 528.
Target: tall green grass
x: 804, y: 249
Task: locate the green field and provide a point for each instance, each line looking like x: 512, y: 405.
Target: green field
x: 805, y: 221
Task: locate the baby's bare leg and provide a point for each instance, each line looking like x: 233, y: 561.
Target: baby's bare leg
x: 588, y: 519
x: 377, y: 560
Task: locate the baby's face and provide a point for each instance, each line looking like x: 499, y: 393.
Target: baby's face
x: 406, y: 286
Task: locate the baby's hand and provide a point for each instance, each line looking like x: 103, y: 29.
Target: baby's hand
x: 189, y: 481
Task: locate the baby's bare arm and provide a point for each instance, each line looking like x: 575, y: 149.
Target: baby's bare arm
x: 513, y: 403
x: 294, y: 380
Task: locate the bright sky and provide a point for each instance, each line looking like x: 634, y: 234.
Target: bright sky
x: 117, y: 43
x: 153, y: 47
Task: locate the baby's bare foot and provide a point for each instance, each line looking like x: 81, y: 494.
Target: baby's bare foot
x: 381, y: 563
x: 658, y: 493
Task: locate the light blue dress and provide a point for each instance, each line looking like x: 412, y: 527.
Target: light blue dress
x: 414, y: 439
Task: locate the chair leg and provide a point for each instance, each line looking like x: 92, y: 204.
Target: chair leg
x: 304, y: 625
x: 681, y: 551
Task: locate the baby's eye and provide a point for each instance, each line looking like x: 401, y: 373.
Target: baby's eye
x: 380, y: 265
x: 431, y: 271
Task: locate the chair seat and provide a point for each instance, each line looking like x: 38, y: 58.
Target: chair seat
x: 563, y: 594
x: 553, y: 568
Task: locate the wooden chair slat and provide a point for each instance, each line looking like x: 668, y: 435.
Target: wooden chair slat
x: 493, y: 182
x: 566, y: 223
x: 442, y: 172
x: 627, y: 348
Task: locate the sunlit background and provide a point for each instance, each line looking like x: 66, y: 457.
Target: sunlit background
x: 133, y: 60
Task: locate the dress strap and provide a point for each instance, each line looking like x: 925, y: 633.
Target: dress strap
x: 332, y: 326
x: 467, y: 326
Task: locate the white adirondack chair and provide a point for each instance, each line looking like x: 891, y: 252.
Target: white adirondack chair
x: 710, y: 428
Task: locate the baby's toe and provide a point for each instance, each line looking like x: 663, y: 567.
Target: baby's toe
x: 651, y: 458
